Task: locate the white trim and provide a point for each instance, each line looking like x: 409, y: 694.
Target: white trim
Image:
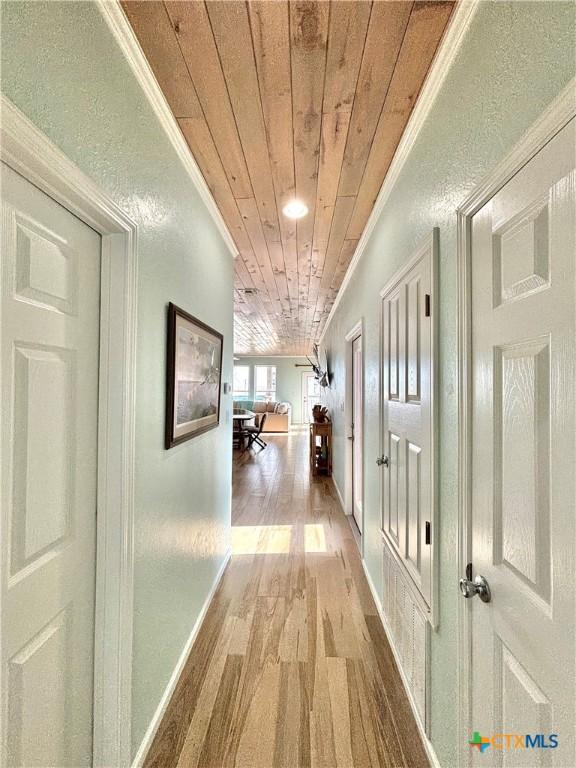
x: 127, y: 41
x: 357, y: 330
x: 353, y: 333
x: 432, y: 757
x: 29, y: 152
x: 430, y: 245
x: 445, y: 55
x: 304, y: 418
x: 339, y: 494
x: 175, y: 676
x: 553, y: 119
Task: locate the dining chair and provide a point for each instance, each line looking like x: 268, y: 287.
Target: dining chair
x: 253, y: 434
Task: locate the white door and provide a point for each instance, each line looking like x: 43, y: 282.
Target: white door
x: 523, y: 462
x: 49, y: 392
x: 407, y: 487
x: 310, y: 395
x: 357, y: 431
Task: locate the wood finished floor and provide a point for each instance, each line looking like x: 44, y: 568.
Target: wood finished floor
x: 291, y: 666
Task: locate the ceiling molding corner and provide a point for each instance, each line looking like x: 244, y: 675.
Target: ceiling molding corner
x: 127, y: 41
x: 445, y: 55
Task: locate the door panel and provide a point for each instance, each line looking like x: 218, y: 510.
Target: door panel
x: 310, y: 395
x: 50, y: 345
x: 523, y: 457
x: 357, y: 431
x: 407, y: 419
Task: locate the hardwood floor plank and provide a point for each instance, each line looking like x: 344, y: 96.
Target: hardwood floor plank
x: 170, y: 737
x: 291, y: 668
x: 292, y: 733
x: 216, y: 741
x: 338, y: 690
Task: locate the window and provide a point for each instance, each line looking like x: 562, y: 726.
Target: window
x: 241, y: 381
x: 265, y: 382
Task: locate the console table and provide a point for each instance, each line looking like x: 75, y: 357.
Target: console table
x: 321, y: 448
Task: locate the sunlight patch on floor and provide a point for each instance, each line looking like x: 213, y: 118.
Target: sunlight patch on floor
x: 261, y: 539
x: 275, y: 539
x: 314, y: 538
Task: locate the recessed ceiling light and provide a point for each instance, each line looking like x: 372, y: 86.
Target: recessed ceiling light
x: 295, y: 209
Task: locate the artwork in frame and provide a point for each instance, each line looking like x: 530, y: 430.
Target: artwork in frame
x: 193, y: 380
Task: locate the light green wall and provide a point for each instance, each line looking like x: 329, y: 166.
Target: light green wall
x: 288, y: 379
x: 62, y: 68
x: 515, y: 59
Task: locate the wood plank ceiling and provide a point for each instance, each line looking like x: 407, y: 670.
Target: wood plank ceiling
x: 281, y: 100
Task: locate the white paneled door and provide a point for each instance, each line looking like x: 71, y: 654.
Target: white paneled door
x: 523, y: 255
x: 49, y: 392
x: 357, y: 432
x: 310, y: 395
x: 407, y: 418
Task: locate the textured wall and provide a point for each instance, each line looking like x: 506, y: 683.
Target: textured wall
x: 288, y: 380
x: 515, y: 59
x: 62, y: 68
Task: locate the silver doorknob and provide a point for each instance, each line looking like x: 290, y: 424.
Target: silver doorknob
x: 383, y: 461
x: 478, y: 587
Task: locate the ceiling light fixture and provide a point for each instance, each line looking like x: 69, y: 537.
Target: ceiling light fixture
x: 295, y: 209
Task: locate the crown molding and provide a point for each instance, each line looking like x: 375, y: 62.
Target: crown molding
x: 445, y: 55
x: 127, y: 41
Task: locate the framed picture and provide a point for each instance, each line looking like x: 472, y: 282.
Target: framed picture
x: 193, y: 377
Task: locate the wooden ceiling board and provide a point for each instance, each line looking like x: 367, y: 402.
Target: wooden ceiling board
x: 194, y: 34
x: 284, y: 99
x: 386, y: 30
x: 308, y: 34
x: 423, y: 33
x: 271, y: 37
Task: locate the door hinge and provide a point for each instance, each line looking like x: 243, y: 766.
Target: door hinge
x: 427, y: 305
x: 427, y: 538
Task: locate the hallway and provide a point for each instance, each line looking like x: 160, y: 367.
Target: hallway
x: 291, y: 666
x: 227, y: 221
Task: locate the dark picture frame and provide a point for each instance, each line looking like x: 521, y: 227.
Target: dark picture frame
x: 193, y: 377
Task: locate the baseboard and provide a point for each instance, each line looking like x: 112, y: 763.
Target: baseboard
x: 431, y: 753
x: 339, y: 494
x: 167, y: 695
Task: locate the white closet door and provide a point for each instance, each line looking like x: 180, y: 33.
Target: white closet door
x: 523, y: 460
x: 49, y: 397
x: 407, y: 488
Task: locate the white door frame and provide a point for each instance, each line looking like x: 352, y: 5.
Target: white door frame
x: 31, y: 154
x: 555, y: 117
x: 356, y: 330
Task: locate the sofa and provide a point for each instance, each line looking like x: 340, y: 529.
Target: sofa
x: 278, y: 416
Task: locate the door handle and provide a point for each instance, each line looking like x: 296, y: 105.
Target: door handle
x: 478, y: 587
x: 383, y: 461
